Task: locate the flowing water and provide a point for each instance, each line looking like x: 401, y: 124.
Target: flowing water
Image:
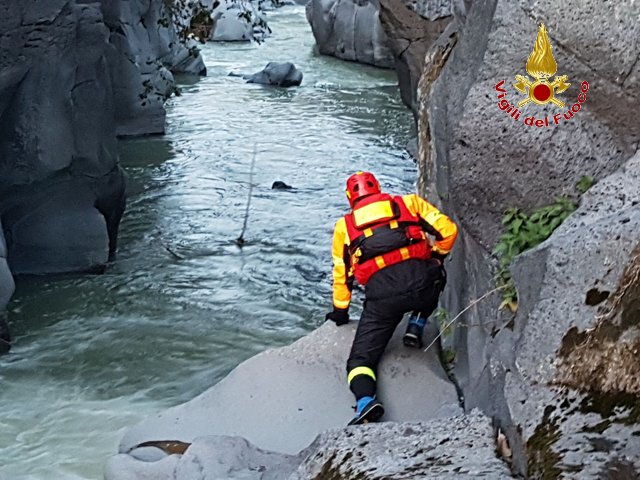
x: 182, y: 304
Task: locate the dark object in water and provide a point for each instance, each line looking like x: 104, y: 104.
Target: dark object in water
x: 278, y: 185
x: 5, y: 338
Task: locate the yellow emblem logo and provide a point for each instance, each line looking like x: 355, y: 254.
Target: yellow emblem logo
x: 541, y: 66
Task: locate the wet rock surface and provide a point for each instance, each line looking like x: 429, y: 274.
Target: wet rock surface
x: 278, y: 74
x: 146, y: 52
x: 350, y: 30
x: 6, y: 279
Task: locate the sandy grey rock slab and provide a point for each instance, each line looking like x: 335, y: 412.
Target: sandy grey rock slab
x: 283, y: 74
x: 303, y: 387
x: 350, y: 30
x: 458, y: 447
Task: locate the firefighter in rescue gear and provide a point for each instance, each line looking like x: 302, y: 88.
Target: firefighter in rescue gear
x: 382, y: 243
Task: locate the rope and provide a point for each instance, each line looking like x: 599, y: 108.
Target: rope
x: 240, y: 240
x: 475, y: 302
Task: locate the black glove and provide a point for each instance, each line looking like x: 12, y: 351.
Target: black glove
x: 443, y: 273
x: 339, y: 315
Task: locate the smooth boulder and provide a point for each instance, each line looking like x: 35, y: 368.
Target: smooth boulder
x: 350, y: 30
x: 278, y: 74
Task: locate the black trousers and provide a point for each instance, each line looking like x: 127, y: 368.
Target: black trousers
x: 380, y: 317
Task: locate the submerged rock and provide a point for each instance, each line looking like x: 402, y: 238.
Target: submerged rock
x: 350, y: 30
x: 279, y: 74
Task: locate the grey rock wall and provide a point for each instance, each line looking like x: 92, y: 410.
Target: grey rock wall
x: 411, y: 29
x: 146, y: 52
x: 6, y: 279
x: 350, y: 30
x: 61, y: 190
x: 478, y: 161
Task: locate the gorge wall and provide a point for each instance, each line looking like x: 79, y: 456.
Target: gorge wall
x: 73, y: 76
x: 479, y: 161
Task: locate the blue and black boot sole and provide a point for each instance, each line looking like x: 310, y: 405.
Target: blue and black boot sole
x: 371, y: 413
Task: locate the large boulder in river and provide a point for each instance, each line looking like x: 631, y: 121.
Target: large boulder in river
x: 304, y: 391
x: 279, y: 74
x: 560, y: 378
x: 61, y: 190
x: 350, y: 30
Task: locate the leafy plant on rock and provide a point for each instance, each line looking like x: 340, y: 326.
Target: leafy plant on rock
x: 523, y: 232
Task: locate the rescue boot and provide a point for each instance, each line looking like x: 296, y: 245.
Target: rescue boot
x: 415, y: 328
x: 368, y: 410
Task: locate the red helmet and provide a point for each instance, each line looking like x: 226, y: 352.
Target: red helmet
x: 361, y: 184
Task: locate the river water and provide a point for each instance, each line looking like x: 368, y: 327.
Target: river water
x: 182, y: 304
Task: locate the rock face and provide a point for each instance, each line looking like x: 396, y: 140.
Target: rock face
x: 237, y: 21
x: 6, y: 279
x: 562, y: 413
x: 73, y: 75
x: 278, y: 74
x: 350, y: 30
x: 61, y: 190
x: 459, y: 447
x: 411, y: 29
x: 146, y: 51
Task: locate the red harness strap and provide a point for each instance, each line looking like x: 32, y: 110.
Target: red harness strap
x: 416, y: 246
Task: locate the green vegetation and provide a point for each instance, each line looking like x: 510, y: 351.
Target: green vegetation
x: 585, y: 183
x: 523, y: 232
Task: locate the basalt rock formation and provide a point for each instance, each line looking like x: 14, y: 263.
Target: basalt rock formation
x: 558, y: 377
x: 350, y: 30
x: 74, y: 75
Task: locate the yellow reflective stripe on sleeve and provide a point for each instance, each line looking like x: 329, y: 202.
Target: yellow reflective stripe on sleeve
x: 432, y: 217
x: 360, y: 371
x: 404, y: 251
x: 380, y: 262
x: 341, y: 303
x: 393, y: 224
x: 368, y: 232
